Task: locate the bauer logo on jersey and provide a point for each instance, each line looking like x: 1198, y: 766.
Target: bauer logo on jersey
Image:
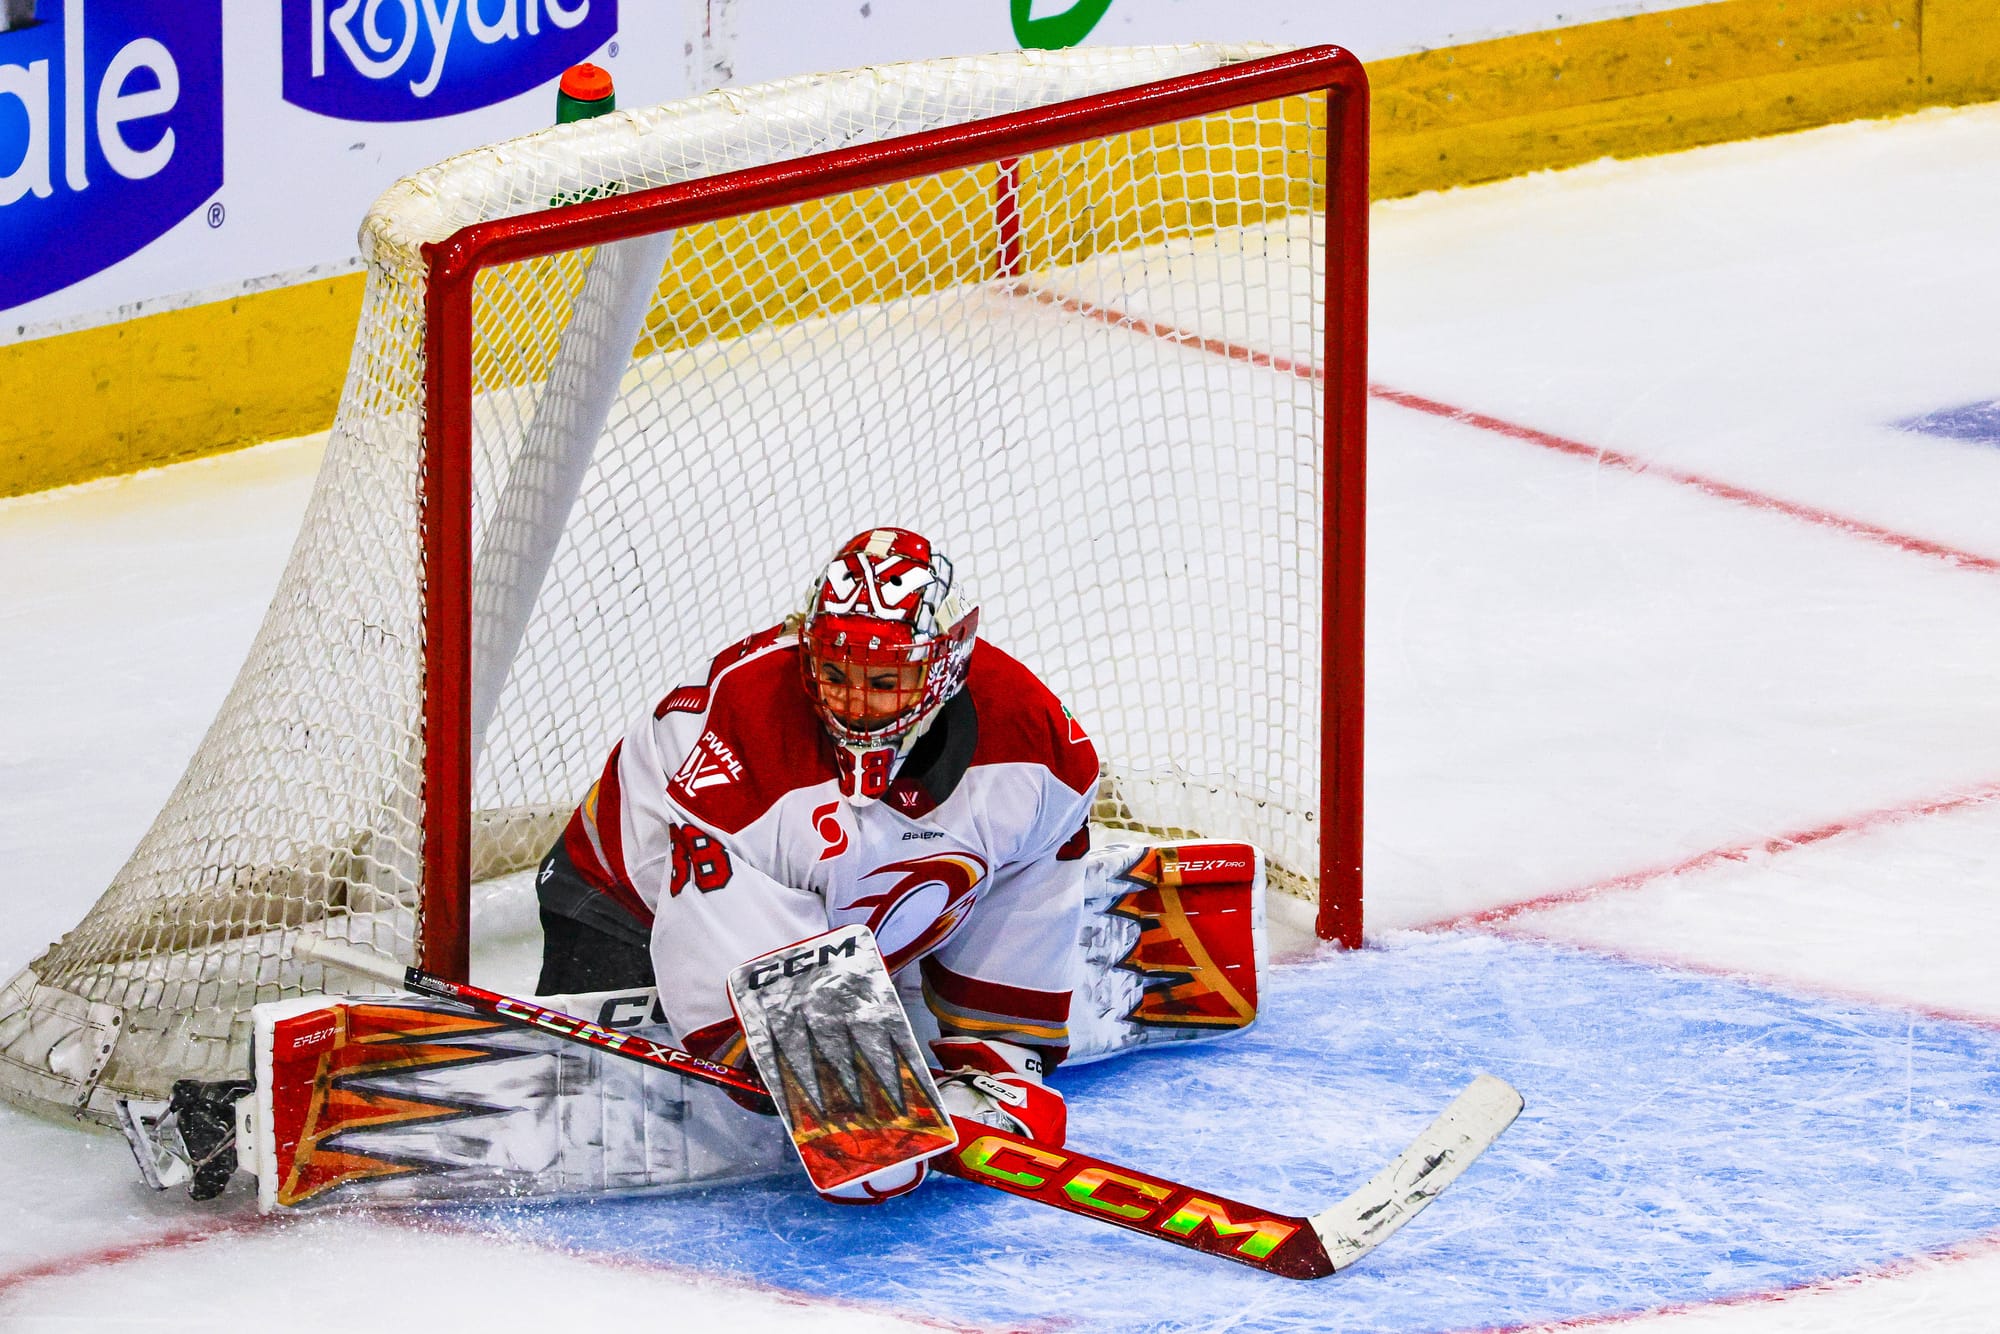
x: 384, y: 60
x: 710, y: 764
x: 110, y: 134
x: 923, y: 901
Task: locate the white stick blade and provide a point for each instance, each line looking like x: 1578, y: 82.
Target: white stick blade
x: 348, y: 959
x: 1400, y: 1191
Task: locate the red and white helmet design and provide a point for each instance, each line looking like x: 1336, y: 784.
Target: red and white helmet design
x: 888, y: 574
x: 887, y: 640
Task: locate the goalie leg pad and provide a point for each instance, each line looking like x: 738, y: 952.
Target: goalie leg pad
x: 408, y: 1101
x: 411, y: 1101
x: 1172, y: 946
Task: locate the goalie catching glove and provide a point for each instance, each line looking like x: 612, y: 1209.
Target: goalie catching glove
x: 993, y: 1083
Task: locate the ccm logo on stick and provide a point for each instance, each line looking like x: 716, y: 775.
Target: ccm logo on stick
x: 1127, y: 1198
x: 798, y: 963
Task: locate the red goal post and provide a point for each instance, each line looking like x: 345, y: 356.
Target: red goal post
x: 448, y: 389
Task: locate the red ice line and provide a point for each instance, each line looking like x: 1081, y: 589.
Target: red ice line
x: 1988, y: 1244
x: 1610, y: 458
x: 1738, y: 852
x: 63, y: 1266
x: 110, y: 1256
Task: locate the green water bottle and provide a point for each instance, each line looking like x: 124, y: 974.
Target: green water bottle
x: 585, y: 91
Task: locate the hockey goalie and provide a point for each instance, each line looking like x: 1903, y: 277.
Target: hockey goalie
x: 870, y: 774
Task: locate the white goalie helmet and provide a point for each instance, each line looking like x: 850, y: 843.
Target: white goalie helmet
x: 885, y: 642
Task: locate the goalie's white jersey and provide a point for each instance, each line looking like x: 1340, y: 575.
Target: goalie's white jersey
x: 718, y: 820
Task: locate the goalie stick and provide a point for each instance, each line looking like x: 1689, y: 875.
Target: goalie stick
x: 1284, y: 1244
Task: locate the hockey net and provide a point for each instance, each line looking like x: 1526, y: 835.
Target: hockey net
x: 1093, y: 321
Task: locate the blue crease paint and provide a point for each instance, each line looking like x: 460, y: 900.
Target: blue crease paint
x: 1978, y: 423
x: 1687, y: 1138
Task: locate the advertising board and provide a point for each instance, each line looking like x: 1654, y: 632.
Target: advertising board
x: 157, y: 153
x: 111, y: 132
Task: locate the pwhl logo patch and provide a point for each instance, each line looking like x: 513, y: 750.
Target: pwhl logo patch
x: 110, y: 133
x: 414, y: 59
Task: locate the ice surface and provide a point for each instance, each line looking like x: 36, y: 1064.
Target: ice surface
x: 1685, y: 1138
x: 1904, y: 911
x: 1577, y: 674
x: 1767, y: 315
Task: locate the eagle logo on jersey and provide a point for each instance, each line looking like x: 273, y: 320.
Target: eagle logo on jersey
x: 928, y: 902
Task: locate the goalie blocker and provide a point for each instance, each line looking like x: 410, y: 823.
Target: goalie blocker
x: 410, y: 1101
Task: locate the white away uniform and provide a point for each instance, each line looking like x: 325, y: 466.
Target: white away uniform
x: 716, y: 833
x: 718, y: 823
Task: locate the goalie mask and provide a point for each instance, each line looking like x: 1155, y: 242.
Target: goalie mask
x: 885, y: 642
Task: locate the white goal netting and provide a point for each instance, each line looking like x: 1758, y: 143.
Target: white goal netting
x: 1087, y: 373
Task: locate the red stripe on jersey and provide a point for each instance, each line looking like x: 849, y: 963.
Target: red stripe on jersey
x: 582, y: 855
x: 1022, y: 722
x: 1037, y: 1009
x: 580, y: 842
x: 687, y: 699
x: 1051, y: 1039
x: 594, y: 839
x: 609, y: 818
x: 694, y: 699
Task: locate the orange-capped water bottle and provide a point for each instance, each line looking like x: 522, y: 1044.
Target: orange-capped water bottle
x: 585, y: 91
